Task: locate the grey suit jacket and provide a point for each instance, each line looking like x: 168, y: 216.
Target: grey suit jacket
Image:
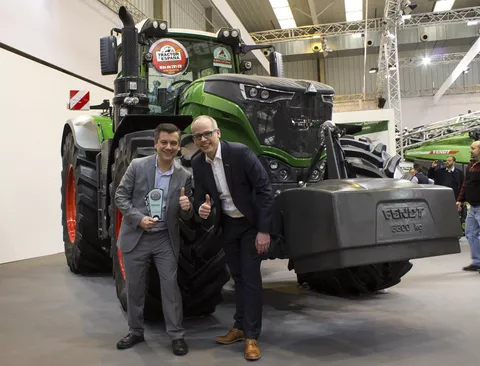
x: 138, y: 180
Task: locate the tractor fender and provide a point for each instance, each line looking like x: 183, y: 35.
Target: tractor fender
x: 85, y: 134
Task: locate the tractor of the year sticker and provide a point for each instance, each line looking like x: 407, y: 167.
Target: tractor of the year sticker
x: 169, y: 57
x: 222, y: 58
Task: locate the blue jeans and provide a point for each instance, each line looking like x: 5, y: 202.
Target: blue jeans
x: 472, y: 232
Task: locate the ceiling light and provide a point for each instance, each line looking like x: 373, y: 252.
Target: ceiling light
x: 405, y: 17
x: 426, y: 60
x: 353, y: 10
x: 443, y: 5
x: 373, y: 70
x: 472, y: 22
x: 283, y: 13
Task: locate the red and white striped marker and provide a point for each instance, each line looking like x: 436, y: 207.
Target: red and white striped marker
x: 79, y: 100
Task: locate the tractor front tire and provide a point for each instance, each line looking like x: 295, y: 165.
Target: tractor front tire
x: 201, y: 275
x: 84, y: 251
x: 364, y: 161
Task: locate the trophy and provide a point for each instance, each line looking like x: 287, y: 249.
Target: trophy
x: 154, y: 201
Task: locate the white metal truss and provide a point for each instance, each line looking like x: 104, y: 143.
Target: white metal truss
x: 408, y: 139
x: 114, y: 5
x: 460, y: 89
x: 447, y: 58
x: 388, y: 61
x: 335, y: 29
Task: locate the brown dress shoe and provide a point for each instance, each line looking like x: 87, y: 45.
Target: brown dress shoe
x: 233, y: 335
x: 252, y: 352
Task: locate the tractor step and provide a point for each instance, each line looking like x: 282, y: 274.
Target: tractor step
x: 351, y: 222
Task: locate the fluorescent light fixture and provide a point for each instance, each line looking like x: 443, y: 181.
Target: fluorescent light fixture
x: 405, y: 17
x: 443, y: 5
x: 426, y: 60
x: 283, y: 13
x: 472, y: 22
x: 353, y: 10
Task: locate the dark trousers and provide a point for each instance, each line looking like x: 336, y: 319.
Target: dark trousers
x: 244, y: 263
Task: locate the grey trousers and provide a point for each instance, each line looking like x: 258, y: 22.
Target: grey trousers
x: 158, y: 247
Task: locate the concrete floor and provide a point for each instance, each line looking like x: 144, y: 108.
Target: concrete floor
x: 48, y: 316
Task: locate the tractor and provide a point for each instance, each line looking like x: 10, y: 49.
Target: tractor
x: 344, y: 221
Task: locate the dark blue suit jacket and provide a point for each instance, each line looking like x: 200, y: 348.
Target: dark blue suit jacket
x: 247, y: 181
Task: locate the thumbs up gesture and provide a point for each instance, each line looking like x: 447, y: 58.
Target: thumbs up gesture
x: 184, y: 201
x: 205, y: 208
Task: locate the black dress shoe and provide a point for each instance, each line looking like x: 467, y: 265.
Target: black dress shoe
x: 180, y: 347
x: 472, y: 267
x: 129, y: 341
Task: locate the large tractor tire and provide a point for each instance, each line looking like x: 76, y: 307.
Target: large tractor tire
x: 202, y: 271
x: 364, y: 160
x: 84, y: 251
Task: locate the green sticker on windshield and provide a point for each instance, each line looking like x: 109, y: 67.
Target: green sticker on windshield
x: 222, y: 58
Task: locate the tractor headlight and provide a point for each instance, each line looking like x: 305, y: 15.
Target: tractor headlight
x: 273, y: 164
x: 264, y: 95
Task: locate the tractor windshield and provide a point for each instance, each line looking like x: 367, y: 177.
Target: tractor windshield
x: 178, y: 62
x: 290, y: 125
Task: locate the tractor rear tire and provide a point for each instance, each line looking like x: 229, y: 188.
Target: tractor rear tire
x: 363, y: 162
x: 201, y: 275
x: 84, y: 251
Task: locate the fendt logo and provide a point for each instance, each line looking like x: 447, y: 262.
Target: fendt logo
x: 403, y: 213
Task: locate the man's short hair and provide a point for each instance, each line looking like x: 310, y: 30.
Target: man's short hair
x: 166, y: 127
x: 453, y: 157
x: 211, y: 119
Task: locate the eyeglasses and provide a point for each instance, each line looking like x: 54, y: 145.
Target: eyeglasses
x: 206, y: 134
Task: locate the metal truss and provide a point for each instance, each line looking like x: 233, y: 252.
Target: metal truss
x: 344, y: 28
x: 461, y: 89
x: 415, y: 137
x: 447, y: 58
x: 114, y: 5
x: 388, y: 61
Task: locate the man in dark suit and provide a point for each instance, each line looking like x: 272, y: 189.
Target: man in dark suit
x: 232, y: 185
x: 143, y: 237
x: 448, y: 175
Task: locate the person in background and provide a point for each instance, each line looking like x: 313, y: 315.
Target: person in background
x: 448, y: 175
x: 418, y: 176
x: 470, y: 193
x: 232, y: 184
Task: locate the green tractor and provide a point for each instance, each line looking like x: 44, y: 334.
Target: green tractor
x: 342, y: 220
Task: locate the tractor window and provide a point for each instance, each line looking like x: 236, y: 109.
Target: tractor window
x: 170, y: 71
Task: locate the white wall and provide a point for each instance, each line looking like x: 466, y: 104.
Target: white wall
x: 34, y: 112
x: 64, y: 33
x: 185, y: 14
x: 422, y: 110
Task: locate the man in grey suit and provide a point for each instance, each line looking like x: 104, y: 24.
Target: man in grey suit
x: 143, y: 237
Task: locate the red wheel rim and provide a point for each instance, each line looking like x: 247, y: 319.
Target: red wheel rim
x: 118, y: 224
x: 71, y: 206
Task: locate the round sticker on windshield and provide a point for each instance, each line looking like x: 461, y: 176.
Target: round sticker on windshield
x: 169, y: 57
x: 222, y: 58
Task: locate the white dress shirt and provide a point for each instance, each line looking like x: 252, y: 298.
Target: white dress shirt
x: 228, y: 207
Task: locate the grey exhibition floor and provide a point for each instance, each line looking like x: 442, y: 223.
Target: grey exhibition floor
x: 48, y: 316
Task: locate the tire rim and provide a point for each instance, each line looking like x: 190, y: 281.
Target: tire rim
x: 71, y: 206
x: 118, y: 224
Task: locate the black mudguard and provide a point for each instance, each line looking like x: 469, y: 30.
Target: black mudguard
x: 351, y: 222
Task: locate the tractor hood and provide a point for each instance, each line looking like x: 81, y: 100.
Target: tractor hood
x: 268, y: 82
x: 284, y: 113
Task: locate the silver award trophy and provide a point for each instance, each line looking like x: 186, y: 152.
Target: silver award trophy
x: 154, y: 201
